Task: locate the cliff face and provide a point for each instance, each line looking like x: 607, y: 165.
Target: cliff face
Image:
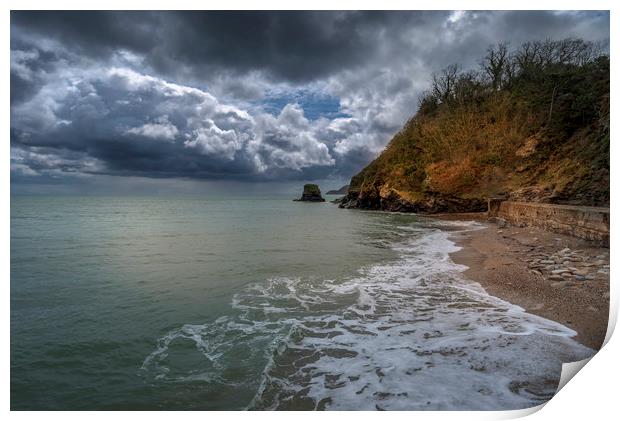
x: 541, y: 135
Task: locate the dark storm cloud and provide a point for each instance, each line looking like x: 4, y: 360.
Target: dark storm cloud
x: 237, y: 95
x: 28, y: 67
x: 297, y: 46
x: 92, y: 32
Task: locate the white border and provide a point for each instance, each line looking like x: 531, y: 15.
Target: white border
x: 591, y: 395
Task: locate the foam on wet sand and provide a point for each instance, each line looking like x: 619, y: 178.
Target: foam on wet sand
x: 409, y: 334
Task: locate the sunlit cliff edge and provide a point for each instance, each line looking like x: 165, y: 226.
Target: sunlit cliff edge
x: 531, y: 124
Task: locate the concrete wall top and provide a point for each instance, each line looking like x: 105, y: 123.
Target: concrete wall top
x: 564, y: 207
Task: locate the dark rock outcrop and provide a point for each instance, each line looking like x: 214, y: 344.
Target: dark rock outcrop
x: 311, y: 193
x: 393, y: 202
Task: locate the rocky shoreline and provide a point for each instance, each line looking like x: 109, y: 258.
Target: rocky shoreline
x: 566, y: 267
x: 392, y: 201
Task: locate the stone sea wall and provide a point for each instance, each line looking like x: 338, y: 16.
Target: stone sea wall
x: 590, y: 223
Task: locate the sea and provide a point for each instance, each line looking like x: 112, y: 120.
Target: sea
x: 207, y: 303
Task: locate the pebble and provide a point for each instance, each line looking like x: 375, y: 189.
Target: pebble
x: 580, y: 278
x: 560, y: 284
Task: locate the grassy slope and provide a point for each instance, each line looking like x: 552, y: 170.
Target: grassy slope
x: 511, y: 142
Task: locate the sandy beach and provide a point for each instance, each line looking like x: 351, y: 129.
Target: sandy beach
x: 559, y: 277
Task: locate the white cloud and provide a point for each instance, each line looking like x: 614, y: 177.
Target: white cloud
x: 211, y: 140
x: 288, y: 141
x: 121, y: 102
x: 161, y: 129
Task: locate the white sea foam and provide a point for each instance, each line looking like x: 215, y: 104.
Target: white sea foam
x: 408, y: 334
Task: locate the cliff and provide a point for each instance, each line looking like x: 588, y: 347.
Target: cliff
x: 530, y: 125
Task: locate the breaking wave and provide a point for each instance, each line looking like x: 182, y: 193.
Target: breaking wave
x: 408, y: 334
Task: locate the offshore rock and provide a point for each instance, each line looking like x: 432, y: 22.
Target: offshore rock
x: 311, y: 193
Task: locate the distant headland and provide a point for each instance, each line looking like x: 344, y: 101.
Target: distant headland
x: 342, y: 190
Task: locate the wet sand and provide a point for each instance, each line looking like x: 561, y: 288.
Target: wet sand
x: 555, y: 276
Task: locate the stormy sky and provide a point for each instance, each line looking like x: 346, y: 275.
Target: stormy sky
x: 136, y: 101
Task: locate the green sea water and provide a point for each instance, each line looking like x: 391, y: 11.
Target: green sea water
x: 222, y: 303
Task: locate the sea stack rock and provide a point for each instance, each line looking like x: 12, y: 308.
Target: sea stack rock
x: 311, y: 193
